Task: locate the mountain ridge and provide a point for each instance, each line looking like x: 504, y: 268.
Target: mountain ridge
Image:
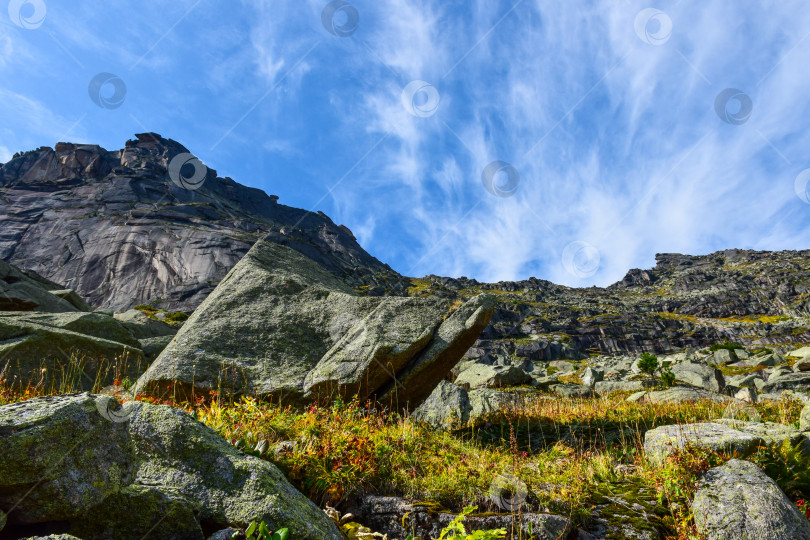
x: 121, y: 232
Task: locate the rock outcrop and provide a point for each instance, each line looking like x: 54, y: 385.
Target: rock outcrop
x: 101, y: 471
x: 27, y: 291
x: 280, y: 324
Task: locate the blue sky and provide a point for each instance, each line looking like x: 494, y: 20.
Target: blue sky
x: 565, y: 140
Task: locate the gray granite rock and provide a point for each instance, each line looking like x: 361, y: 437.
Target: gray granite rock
x: 737, y: 501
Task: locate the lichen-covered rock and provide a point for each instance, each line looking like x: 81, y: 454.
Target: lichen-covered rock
x: 627, y: 509
x: 679, y: 394
x: 737, y: 501
x: 724, y: 356
x: 114, y: 472
x: 280, y: 324
x: 802, y: 397
x: 483, y: 376
x: 376, y: 347
x: 700, y: 375
x: 801, y: 352
x: 569, y: 390
x: 55, y: 348
x: 152, y: 347
x: 451, y: 407
x: 592, y: 375
x: 797, y: 382
x: 448, y: 406
x: 604, y: 388
x: 68, y: 455
x: 660, y: 442
x: 141, y: 512
x: 771, y: 433
x: 451, y: 340
x: 743, y: 381
x: 141, y: 326
x: 399, y: 518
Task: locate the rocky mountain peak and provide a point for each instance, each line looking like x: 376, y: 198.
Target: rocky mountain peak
x: 120, y: 230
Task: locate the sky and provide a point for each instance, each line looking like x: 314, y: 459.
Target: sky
x: 498, y: 140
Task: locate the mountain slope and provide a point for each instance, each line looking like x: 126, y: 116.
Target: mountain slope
x: 755, y: 298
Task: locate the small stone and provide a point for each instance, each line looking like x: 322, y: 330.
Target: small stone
x: 747, y: 394
x: 591, y: 376
x: 804, y: 418
x: 802, y: 365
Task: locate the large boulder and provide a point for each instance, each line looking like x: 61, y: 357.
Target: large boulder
x: 796, y: 382
x: 281, y: 325
x: 737, y: 501
x: 771, y: 433
x: 452, y: 407
x: 26, y: 291
x: 681, y: 394
x: 700, y: 375
x: 662, y: 441
x: 605, y: 388
x: 64, y: 351
x: 118, y: 472
x: 572, y: 391
x: 483, y: 376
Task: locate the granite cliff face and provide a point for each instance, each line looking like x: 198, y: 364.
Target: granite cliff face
x: 113, y: 226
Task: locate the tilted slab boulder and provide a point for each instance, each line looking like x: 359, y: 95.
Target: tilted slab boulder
x: 281, y: 325
x: 25, y: 291
x: 137, y: 471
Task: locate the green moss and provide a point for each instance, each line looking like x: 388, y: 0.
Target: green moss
x: 739, y: 370
x: 630, y: 507
x: 175, y: 317
x: 726, y: 345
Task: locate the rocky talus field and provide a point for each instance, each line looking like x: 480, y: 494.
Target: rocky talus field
x: 205, y: 362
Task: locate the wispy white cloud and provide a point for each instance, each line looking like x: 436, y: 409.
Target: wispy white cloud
x: 641, y: 164
x: 616, y: 141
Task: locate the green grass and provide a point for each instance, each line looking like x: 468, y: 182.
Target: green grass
x: 725, y: 345
x: 572, y: 454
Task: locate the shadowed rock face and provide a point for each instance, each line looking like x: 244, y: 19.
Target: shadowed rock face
x: 279, y: 324
x: 115, y: 227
